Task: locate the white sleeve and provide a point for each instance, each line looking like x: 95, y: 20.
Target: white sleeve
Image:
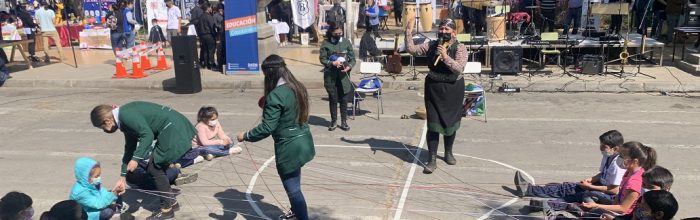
x: 619, y: 173
x: 179, y: 14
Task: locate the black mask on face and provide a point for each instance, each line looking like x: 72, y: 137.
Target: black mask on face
x: 336, y: 38
x: 444, y: 37
x: 112, y: 129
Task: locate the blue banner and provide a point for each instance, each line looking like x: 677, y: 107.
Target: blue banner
x: 97, y: 8
x: 241, y: 37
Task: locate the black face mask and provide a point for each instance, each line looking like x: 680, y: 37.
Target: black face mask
x: 335, y: 38
x: 444, y: 37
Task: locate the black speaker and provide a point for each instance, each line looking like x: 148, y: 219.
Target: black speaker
x: 187, y: 77
x: 692, y: 15
x: 591, y: 64
x: 506, y: 60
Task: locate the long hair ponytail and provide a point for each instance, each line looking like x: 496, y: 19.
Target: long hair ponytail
x: 274, y: 68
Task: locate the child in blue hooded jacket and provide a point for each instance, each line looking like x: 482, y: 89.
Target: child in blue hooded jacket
x: 98, y: 202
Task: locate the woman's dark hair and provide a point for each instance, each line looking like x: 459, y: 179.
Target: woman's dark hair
x: 659, y: 176
x: 65, y: 210
x: 205, y: 6
x: 612, y: 138
x: 13, y: 203
x: 274, y: 68
x: 205, y: 113
x: 331, y: 29
x: 661, y: 201
x: 644, y: 154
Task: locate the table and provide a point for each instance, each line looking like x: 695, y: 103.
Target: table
x: 17, y: 44
x: 683, y: 32
x: 63, y: 33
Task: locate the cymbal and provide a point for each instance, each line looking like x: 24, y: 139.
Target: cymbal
x: 532, y: 7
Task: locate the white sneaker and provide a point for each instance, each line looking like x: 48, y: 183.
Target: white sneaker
x: 235, y: 150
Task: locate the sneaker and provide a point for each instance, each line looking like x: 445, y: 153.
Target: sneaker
x: 185, y: 178
x: 209, y: 157
x: 574, y: 208
x: 159, y: 214
x: 288, y: 215
x: 235, y: 150
x: 521, y: 184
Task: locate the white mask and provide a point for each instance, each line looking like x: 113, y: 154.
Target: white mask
x: 213, y: 123
x: 29, y: 214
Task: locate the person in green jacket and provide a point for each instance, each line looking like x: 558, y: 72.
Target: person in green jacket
x: 337, y: 57
x: 142, y: 123
x: 285, y: 117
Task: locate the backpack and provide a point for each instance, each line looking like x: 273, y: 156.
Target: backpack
x: 111, y: 22
x: 336, y: 15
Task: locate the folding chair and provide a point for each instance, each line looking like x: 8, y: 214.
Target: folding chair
x: 371, y: 85
x: 370, y: 69
x: 550, y: 36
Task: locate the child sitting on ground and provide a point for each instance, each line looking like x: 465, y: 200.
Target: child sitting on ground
x: 602, y: 186
x: 656, y: 178
x: 636, y: 159
x: 98, y: 202
x: 657, y: 205
x: 210, y: 141
x: 16, y: 205
x: 65, y: 210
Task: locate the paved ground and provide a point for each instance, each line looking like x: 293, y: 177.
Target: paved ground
x: 368, y: 172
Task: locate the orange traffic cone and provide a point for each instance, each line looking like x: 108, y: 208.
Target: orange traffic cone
x: 138, y: 71
x: 145, y: 62
x: 121, y: 71
x: 162, y: 64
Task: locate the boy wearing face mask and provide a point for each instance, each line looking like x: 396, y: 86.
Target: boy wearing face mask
x: 143, y: 123
x: 96, y: 201
x: 601, y: 187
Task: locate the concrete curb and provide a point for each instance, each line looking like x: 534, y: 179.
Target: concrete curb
x: 491, y: 85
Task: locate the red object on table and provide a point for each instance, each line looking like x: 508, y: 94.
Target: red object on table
x: 63, y: 33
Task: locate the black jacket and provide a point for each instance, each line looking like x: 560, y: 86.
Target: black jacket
x: 207, y: 25
x: 195, y: 17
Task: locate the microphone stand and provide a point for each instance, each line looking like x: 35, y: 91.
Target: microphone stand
x: 644, y: 39
x: 418, y: 33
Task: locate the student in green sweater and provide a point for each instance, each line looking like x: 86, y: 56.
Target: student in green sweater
x: 337, y: 58
x: 285, y: 117
x: 142, y: 123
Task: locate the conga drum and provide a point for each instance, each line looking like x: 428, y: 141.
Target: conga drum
x: 426, y: 16
x: 496, y: 28
x: 409, y: 12
x: 460, y: 26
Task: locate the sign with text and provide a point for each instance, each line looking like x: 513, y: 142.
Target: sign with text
x: 241, y: 34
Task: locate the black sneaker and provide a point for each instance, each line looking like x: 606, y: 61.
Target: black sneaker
x: 185, y: 178
x: 162, y: 215
x: 288, y: 215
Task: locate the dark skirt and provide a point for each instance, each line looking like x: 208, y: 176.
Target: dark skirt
x: 443, y: 104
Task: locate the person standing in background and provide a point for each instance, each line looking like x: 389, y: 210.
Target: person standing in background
x: 46, y: 18
x: 174, y: 19
x: 398, y: 12
x: 575, y: 8
x: 674, y: 9
x: 29, y: 30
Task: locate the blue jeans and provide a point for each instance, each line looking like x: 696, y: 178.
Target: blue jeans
x: 659, y: 16
x: 117, y: 39
x: 188, y: 158
x: 292, y: 185
x: 107, y: 213
x: 570, y: 192
x: 575, y: 15
x: 600, y: 197
x: 216, y: 150
x: 672, y: 23
x: 130, y: 39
